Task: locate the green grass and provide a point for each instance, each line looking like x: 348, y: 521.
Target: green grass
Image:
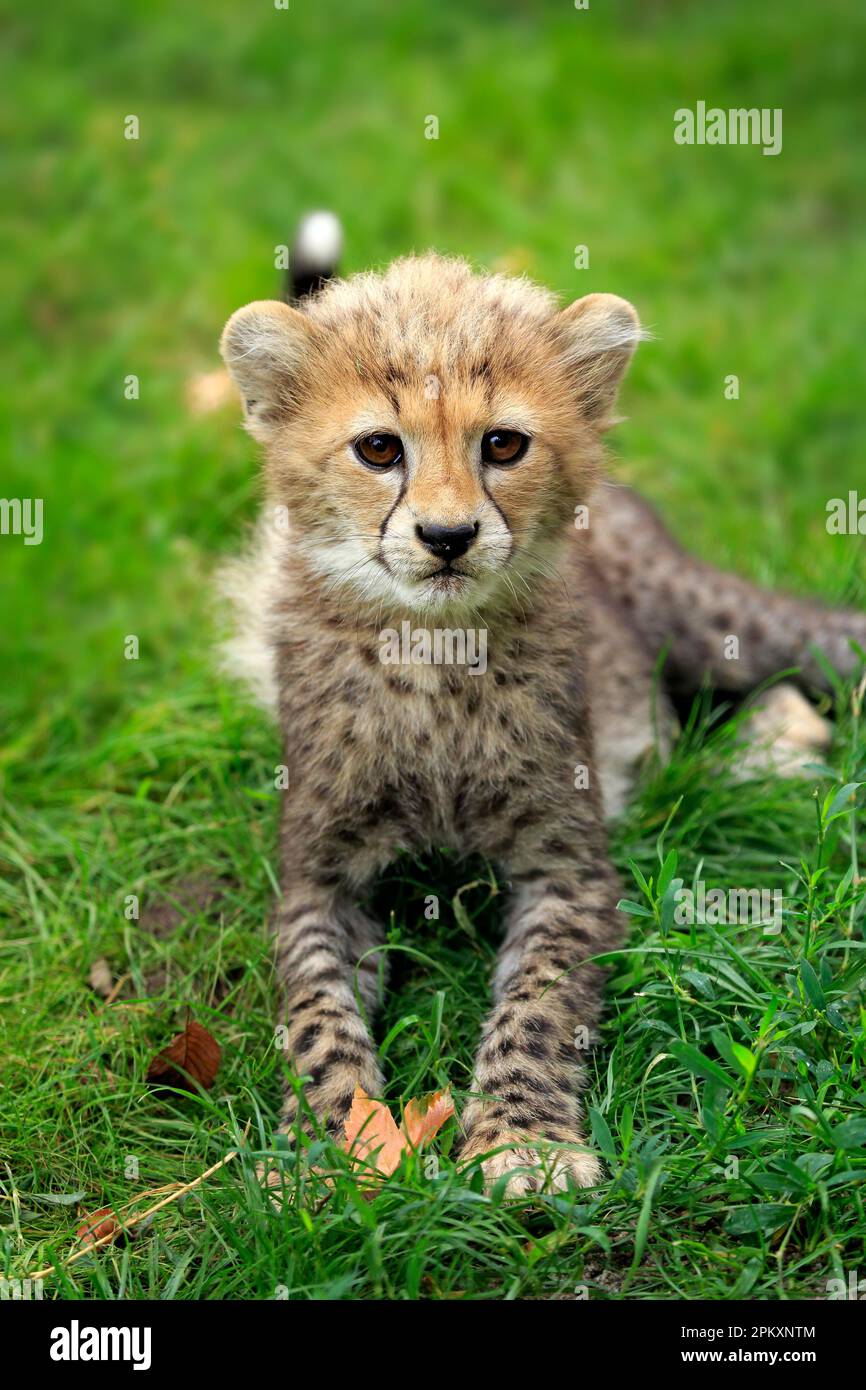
x: 152, y: 778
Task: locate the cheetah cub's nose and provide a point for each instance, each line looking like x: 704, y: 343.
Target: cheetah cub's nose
x: 447, y: 542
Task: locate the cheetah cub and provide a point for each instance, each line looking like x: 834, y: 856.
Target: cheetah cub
x: 430, y: 437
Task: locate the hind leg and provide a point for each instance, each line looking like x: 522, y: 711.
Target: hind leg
x: 713, y: 626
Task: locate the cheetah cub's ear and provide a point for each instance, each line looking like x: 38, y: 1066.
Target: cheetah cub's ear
x: 601, y: 332
x: 264, y: 347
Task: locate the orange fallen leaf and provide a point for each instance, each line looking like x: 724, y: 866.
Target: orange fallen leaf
x: 373, y: 1138
x: 424, y: 1117
x: 102, y: 1225
x: 371, y: 1134
x: 194, y: 1055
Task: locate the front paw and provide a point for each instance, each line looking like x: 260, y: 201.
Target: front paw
x: 529, y: 1165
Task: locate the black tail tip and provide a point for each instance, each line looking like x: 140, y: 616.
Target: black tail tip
x: 315, y: 254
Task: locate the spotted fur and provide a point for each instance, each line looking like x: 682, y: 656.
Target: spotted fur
x: 519, y: 764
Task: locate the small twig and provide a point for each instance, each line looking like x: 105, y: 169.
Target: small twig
x: 150, y: 1192
x: 135, y: 1220
x: 110, y: 998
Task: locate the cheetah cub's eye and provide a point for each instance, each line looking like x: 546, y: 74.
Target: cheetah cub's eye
x: 503, y: 446
x: 379, y: 451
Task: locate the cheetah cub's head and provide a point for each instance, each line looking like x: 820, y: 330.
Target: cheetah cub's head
x: 429, y: 430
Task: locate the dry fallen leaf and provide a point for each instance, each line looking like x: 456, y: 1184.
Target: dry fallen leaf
x: 194, y: 1055
x: 101, y: 1225
x: 100, y: 977
x: 373, y: 1138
